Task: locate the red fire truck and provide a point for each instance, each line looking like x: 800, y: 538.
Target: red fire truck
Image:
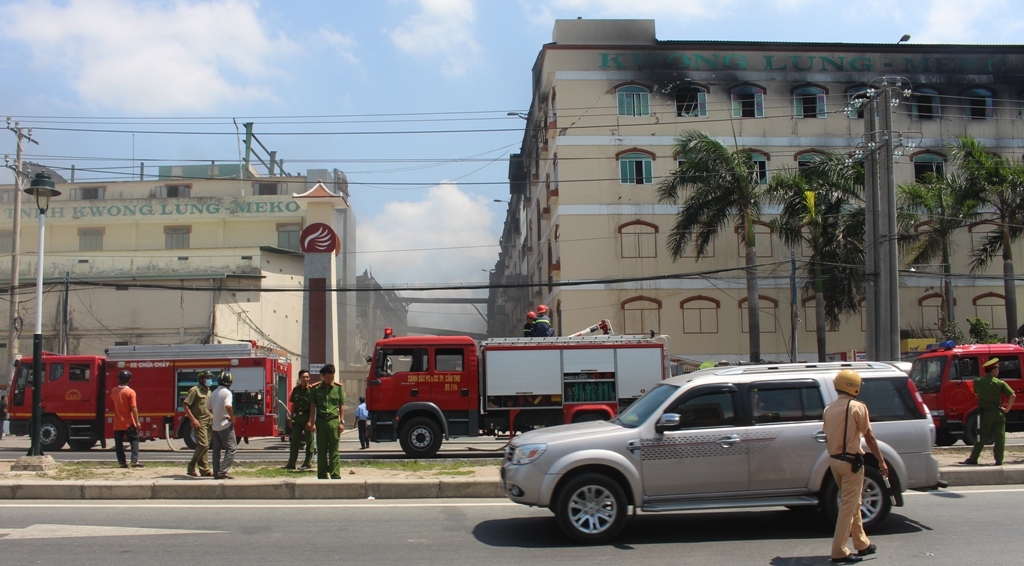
x: 76, y: 391
x: 944, y: 375
x: 423, y: 389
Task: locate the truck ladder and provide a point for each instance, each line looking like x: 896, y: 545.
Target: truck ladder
x: 609, y: 340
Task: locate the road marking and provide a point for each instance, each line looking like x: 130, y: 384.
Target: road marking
x: 962, y: 490
x: 78, y: 531
x: 376, y: 504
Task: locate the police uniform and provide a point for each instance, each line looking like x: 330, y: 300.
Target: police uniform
x: 990, y: 391
x: 300, y: 400
x: 328, y: 400
x: 845, y: 423
x: 195, y: 400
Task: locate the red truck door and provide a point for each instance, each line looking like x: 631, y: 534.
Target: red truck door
x: 454, y: 386
x: 405, y: 370
x: 958, y: 391
x: 1010, y: 372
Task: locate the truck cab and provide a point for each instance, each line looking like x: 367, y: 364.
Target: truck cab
x: 944, y: 376
x: 72, y: 389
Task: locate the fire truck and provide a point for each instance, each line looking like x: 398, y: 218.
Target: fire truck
x: 76, y: 408
x: 423, y: 389
x: 944, y: 375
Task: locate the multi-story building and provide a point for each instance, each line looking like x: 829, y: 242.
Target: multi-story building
x: 198, y: 254
x: 609, y: 100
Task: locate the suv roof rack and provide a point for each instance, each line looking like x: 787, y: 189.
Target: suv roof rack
x: 750, y: 370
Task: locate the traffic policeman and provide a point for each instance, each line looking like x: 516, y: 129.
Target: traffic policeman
x: 990, y: 391
x: 846, y: 421
x: 301, y: 433
x: 327, y: 420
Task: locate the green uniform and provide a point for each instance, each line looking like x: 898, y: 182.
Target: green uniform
x: 990, y: 391
x: 300, y: 400
x: 328, y: 401
x: 196, y: 403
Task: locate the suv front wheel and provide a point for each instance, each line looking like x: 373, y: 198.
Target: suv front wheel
x: 591, y: 509
x: 874, y: 501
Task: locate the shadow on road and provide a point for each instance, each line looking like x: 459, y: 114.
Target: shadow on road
x: 543, y: 532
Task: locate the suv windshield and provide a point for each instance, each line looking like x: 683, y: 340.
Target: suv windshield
x: 644, y: 407
x: 927, y: 374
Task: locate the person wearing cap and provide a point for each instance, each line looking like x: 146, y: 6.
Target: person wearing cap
x: 990, y: 391
x: 301, y: 434
x: 327, y: 421
x: 201, y: 420
x: 531, y: 318
x: 845, y: 423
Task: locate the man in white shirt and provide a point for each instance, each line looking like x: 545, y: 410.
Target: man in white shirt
x: 219, y: 404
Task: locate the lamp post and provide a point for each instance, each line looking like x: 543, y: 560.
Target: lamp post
x: 42, y: 188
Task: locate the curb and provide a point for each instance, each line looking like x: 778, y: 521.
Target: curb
x: 284, y: 489
x: 307, y: 489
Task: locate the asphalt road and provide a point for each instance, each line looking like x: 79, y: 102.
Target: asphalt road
x: 932, y: 529
x: 263, y: 449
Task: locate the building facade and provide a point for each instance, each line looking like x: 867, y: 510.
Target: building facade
x: 199, y: 254
x: 609, y: 100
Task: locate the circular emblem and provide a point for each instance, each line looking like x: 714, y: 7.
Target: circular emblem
x: 319, y: 238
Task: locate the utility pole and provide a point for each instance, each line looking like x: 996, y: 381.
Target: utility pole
x: 14, y: 328
x: 794, y: 317
x: 881, y: 252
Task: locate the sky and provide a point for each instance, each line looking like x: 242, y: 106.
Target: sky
x: 409, y: 97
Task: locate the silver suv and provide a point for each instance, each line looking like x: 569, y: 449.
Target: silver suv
x: 728, y: 437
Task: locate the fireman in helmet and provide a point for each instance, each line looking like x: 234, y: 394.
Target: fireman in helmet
x: 846, y: 421
x: 542, y: 324
x: 531, y: 318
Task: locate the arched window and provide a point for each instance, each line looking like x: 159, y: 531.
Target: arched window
x: 692, y: 102
x: 636, y: 168
x: 760, y: 159
x: 979, y: 231
x: 928, y: 162
x: 858, y: 97
x: 807, y: 158
x: 768, y: 308
x: 762, y: 240
x: 924, y: 104
x: 747, y: 101
x: 633, y: 101
x: 978, y: 104
x: 700, y: 315
x: 809, y: 102
x: 640, y: 315
x: 991, y: 307
x: 932, y: 306
x: 638, y: 239
x: 808, y: 305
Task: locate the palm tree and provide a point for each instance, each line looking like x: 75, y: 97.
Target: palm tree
x: 999, y: 185
x: 949, y: 205
x: 716, y: 189
x: 822, y: 209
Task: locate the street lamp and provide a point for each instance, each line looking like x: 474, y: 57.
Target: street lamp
x: 42, y: 188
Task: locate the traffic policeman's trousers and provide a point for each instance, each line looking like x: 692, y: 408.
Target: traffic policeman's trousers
x: 993, y: 422
x: 328, y: 462
x: 851, y: 486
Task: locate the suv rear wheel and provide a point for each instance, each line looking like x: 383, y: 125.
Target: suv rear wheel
x: 874, y: 502
x: 591, y: 509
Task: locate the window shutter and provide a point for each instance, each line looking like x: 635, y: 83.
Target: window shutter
x: 648, y: 171
x: 737, y: 106
x: 625, y: 171
x: 645, y: 102
x: 74, y: 194
x: 99, y: 192
x: 989, y: 112
x: 821, y: 105
x: 160, y: 192
x: 702, y: 104
x: 759, y: 104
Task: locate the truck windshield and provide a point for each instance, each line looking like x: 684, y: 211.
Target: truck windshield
x: 927, y: 374
x: 642, y: 409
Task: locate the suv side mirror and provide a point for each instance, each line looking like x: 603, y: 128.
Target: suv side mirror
x: 668, y: 421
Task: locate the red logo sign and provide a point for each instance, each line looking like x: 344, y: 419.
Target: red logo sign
x: 319, y: 238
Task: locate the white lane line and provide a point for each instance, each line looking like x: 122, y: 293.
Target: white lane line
x: 79, y: 531
x: 72, y: 504
x: 961, y: 490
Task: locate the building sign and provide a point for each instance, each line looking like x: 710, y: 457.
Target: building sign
x: 804, y: 63
x: 191, y: 208
x: 319, y: 238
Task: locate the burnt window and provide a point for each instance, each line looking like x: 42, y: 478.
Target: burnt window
x: 692, y: 102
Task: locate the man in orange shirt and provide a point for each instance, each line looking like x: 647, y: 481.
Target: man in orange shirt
x: 126, y: 419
